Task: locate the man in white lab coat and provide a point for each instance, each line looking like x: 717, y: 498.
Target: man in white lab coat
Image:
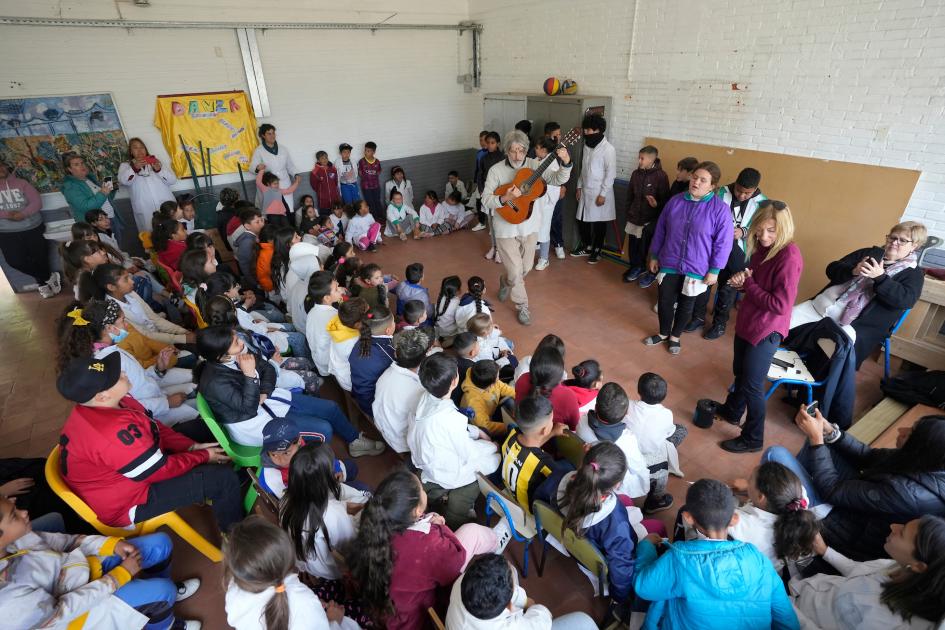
x: 595, y: 189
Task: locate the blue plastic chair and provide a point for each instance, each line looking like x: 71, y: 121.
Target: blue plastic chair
x: 887, y: 342
x: 519, y: 521
x: 804, y: 379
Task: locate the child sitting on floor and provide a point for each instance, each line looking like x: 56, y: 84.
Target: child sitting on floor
x: 444, y: 446
x: 486, y: 395
x: 686, y: 587
x: 401, y: 218
x: 492, y: 345
x: 472, y: 302
x: 60, y: 580
x: 323, y: 294
x: 371, y: 285
x: 344, y: 330
x: 605, y: 423
x: 455, y: 215
x: 414, y: 316
x: 432, y: 216
x: 466, y: 348
x: 398, y: 390
x: 444, y: 313
x: 263, y: 590
x: 373, y: 353
x: 363, y: 231
x: 412, y: 289
x: 528, y: 471
x: 282, y: 437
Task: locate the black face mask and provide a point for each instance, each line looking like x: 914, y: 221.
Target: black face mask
x: 593, y: 139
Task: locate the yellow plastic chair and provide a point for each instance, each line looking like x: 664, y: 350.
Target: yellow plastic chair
x: 584, y: 551
x: 171, y: 519
x: 198, y: 318
x: 435, y: 618
x: 571, y: 448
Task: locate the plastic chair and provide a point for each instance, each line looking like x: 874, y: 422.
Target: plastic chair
x: 798, y: 374
x: 171, y: 519
x: 145, y: 238
x: 571, y: 448
x: 584, y: 551
x: 521, y: 523
x: 887, y: 342
x: 243, y: 456
x: 169, y: 277
x: 198, y: 318
x: 435, y: 618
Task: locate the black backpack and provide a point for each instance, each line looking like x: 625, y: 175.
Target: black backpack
x: 918, y: 388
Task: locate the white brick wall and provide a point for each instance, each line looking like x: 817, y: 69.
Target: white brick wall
x: 397, y: 88
x: 853, y: 80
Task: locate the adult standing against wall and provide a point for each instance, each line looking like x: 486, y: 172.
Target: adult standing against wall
x: 21, y: 231
x: 595, y: 189
x: 148, y: 182
x: 277, y: 161
x: 769, y: 284
x: 83, y: 192
x: 691, y: 244
x: 516, y: 242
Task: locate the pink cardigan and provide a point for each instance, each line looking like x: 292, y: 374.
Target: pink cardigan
x: 769, y: 294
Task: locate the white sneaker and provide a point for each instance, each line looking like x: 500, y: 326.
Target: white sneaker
x: 503, y: 535
x: 479, y: 227
x: 186, y: 588
x: 498, y: 258
x: 490, y: 254
x: 45, y: 291
x: 542, y: 264
x: 55, y: 282
x: 559, y: 252
x: 186, y: 624
x: 363, y: 445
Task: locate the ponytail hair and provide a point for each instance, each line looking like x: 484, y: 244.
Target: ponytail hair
x: 476, y: 286
x: 352, y: 312
x: 103, y: 276
x: 603, y: 469
x: 347, y: 270
x: 390, y: 511
x: 319, y: 286
x: 217, y: 284
x: 312, y: 483
x: 796, y: 526
x: 586, y: 373
x: 162, y: 233
x: 375, y: 322
x: 341, y: 250
x: 546, y: 371
x: 258, y: 555
x: 449, y: 289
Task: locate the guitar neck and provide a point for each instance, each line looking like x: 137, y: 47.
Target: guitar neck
x: 545, y: 163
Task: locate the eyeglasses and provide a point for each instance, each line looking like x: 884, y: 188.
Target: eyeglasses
x: 778, y: 205
x: 897, y: 239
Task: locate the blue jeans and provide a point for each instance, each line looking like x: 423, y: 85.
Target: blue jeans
x: 350, y: 193
x: 273, y: 314
x: 750, y: 365
x: 153, y: 594
x: 51, y: 522
x: 323, y: 416
x: 801, y: 463
x: 297, y: 343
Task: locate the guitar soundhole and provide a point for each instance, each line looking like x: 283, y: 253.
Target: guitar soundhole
x: 525, y: 188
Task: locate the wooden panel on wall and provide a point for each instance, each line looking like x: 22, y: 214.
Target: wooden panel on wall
x: 838, y: 207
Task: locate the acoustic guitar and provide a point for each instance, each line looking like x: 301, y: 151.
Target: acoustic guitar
x: 531, y: 184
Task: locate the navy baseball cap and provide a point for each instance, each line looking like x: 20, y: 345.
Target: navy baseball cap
x: 85, y: 377
x: 281, y: 433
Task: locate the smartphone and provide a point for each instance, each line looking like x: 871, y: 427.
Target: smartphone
x: 781, y: 363
x: 812, y: 408
x: 107, y: 180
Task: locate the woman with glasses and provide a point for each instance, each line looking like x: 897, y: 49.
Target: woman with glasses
x: 147, y: 180
x: 769, y: 284
x: 869, y: 289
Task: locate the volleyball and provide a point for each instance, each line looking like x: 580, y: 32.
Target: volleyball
x: 552, y: 86
x: 569, y: 86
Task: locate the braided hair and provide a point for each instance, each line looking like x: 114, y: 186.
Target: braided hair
x: 476, y: 287
x: 449, y: 288
x: 376, y: 320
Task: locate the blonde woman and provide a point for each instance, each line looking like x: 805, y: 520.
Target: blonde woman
x: 770, y: 287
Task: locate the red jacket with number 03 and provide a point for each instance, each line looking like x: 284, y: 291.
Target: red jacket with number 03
x: 111, y: 456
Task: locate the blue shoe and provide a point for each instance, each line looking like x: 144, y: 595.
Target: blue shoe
x: 632, y: 274
x: 647, y: 279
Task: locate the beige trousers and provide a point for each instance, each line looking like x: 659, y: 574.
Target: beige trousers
x: 518, y: 257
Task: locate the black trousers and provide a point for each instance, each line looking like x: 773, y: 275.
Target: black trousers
x: 726, y: 294
x: 673, y: 321
x: 592, y: 234
x: 750, y: 365
x: 216, y: 484
x: 27, y: 252
x: 557, y: 227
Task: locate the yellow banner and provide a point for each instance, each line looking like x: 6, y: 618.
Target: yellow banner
x: 223, y: 121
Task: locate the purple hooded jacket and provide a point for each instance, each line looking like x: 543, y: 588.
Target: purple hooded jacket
x: 693, y: 236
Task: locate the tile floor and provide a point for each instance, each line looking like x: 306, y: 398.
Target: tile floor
x: 588, y: 306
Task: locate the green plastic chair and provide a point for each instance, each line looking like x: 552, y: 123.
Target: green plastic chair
x: 243, y: 456
x: 549, y: 521
x: 571, y: 448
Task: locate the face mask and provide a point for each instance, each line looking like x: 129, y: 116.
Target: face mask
x: 236, y: 301
x: 593, y: 139
x: 118, y: 338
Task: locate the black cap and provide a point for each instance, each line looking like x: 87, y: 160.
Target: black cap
x: 85, y: 377
x: 344, y: 147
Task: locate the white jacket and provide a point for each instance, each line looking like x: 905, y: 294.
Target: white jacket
x: 502, y: 173
x: 537, y: 617
x: 545, y: 208
x: 396, y: 398
x: 281, y: 165
x: 316, y: 332
x: 446, y: 325
x: 148, y: 190
x: 149, y: 323
x: 405, y: 188
x: 145, y: 383
x: 303, y: 262
x: 398, y: 214
x: 636, y: 482
x: 342, y: 528
x: 46, y: 585
x: 358, y: 228
x: 338, y: 364
x: 751, y: 206
x: 460, y: 188
x: 651, y: 424
x: 432, y: 217
x: 444, y: 446
x: 598, y: 172
x: 247, y: 611
x: 490, y: 347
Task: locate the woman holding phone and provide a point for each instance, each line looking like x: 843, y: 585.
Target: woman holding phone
x: 83, y: 193
x: 769, y: 285
x: 869, y: 289
x: 147, y: 180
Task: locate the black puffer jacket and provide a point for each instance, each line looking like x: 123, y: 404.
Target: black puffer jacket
x: 233, y: 396
x: 864, y: 507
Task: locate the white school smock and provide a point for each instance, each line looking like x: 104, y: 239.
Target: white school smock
x: 396, y: 398
x: 148, y: 190
x: 280, y: 164
x: 598, y: 171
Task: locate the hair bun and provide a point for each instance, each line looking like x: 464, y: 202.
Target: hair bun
x: 579, y: 371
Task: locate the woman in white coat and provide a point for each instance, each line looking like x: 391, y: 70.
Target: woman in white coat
x: 148, y: 182
x: 595, y: 189
x: 277, y: 160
